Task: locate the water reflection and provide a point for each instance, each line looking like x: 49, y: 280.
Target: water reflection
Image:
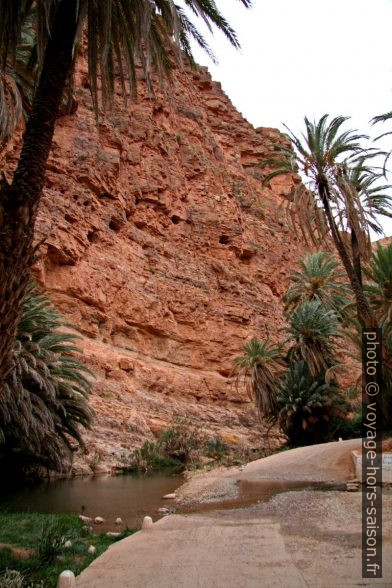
x: 128, y: 497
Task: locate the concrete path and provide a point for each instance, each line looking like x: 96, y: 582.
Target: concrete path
x: 197, y: 551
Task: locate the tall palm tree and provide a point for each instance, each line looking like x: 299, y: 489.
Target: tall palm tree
x: 330, y: 205
x: 259, y: 367
x: 320, y: 277
x: 119, y: 32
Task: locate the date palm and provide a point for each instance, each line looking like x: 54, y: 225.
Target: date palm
x: 379, y: 286
x: 330, y: 205
x: 314, y: 332
x: 259, y: 367
x: 44, y: 401
x: 119, y: 33
x: 321, y: 278
x: 307, y: 405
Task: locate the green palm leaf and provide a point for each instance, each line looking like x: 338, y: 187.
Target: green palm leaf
x: 45, y: 402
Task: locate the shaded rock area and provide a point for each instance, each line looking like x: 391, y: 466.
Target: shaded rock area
x: 165, y: 252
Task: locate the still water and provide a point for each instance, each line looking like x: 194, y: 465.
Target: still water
x: 126, y: 496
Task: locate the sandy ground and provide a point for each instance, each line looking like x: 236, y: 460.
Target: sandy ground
x: 276, y: 536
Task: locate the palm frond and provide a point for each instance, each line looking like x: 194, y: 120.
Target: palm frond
x: 321, y: 278
x: 120, y: 34
x: 259, y: 368
x: 47, y: 391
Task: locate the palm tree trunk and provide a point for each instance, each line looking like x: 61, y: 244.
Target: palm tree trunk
x: 366, y: 316
x: 356, y: 256
x: 19, y: 201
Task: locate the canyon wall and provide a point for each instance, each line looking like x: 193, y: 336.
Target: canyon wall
x: 166, y: 253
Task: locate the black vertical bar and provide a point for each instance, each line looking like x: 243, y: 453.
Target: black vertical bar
x: 371, y: 453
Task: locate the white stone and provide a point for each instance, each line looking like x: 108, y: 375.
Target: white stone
x: 119, y: 521
x: 113, y: 534
x: 68, y: 544
x: 85, y: 519
x: 163, y: 510
x: 99, y: 520
x: 91, y: 549
x: 147, y: 523
x: 169, y: 496
x: 66, y: 580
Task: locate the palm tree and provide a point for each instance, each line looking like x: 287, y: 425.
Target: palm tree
x: 314, y: 331
x: 307, y: 405
x: 379, y: 286
x: 118, y: 32
x: 259, y: 368
x: 330, y: 205
x: 319, y: 278
x: 45, y: 395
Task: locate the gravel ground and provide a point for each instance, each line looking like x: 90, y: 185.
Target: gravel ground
x: 322, y: 532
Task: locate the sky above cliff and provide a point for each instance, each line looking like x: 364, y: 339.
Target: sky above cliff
x: 307, y: 58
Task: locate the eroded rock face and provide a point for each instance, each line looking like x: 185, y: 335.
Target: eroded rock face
x: 166, y: 253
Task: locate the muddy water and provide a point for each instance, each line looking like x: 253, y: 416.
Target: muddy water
x: 253, y: 492
x: 126, y: 496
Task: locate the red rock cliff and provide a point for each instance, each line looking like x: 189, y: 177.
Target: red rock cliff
x: 166, y: 253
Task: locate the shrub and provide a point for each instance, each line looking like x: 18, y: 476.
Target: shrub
x: 175, y: 447
x: 150, y: 458
x: 51, y: 541
x: 181, y: 441
x: 216, y: 448
x: 307, y: 405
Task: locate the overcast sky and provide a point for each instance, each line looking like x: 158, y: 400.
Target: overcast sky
x: 307, y: 57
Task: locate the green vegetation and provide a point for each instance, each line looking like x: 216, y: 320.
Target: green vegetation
x: 379, y: 286
x: 176, y: 448
x: 313, y: 332
x: 307, y: 405
x: 259, y: 368
x: 321, y: 278
x: 34, y: 546
x: 341, y: 198
x: 44, y: 401
x: 185, y: 446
